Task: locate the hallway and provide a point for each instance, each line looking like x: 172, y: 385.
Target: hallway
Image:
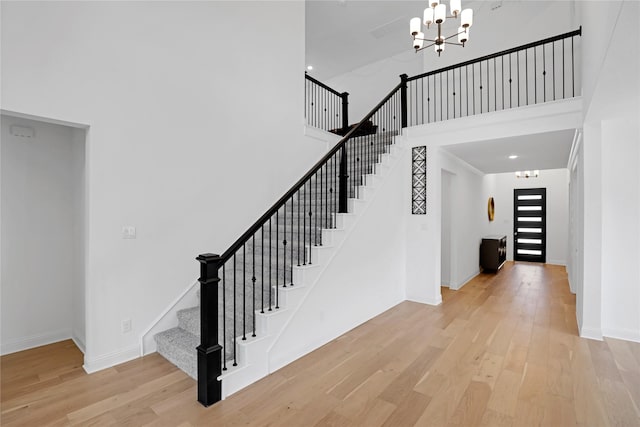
x: 503, y: 350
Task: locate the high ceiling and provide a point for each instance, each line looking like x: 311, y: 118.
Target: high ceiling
x: 549, y: 150
x: 344, y: 35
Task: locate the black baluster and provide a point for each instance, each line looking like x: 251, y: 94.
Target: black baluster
x: 526, y: 73
x: 495, y: 86
x: 244, y: 293
x: 573, y: 76
x: 284, y: 243
x: 310, y: 220
x: 291, y: 236
x: 428, y: 102
x: 253, y: 283
x: 510, y: 84
x: 224, y: 319
x: 304, y: 225
x: 535, y: 76
x: 262, y: 270
x: 518, y: 65
x: 563, y: 69
x: 235, y: 313
x: 277, y: 253
x: 553, y: 65
x: 270, y: 275
x: 480, y: 66
x: 544, y: 75
x: 298, y: 193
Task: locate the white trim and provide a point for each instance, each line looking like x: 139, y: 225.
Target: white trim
x: 110, y: 359
x: 78, y: 342
x: 560, y: 262
x: 622, y: 334
x: 32, y: 341
x: 591, y: 333
x: 465, y: 281
x: 43, y: 119
x: 437, y: 300
x: 575, y: 148
x: 167, y: 319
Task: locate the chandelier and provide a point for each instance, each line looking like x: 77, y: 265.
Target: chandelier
x: 436, y: 13
x: 528, y: 174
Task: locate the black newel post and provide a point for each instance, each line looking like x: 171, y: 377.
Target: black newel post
x: 209, y: 350
x: 345, y: 112
x: 342, y: 185
x: 403, y: 98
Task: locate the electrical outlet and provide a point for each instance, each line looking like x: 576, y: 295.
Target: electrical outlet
x: 126, y: 326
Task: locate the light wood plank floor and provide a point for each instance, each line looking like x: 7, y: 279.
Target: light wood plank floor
x: 502, y: 351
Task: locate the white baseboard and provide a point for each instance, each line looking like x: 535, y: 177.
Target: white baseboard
x: 622, y: 334
x: 108, y: 360
x: 437, y: 300
x: 561, y: 262
x: 591, y: 333
x: 465, y: 281
x: 79, y: 343
x: 32, y: 341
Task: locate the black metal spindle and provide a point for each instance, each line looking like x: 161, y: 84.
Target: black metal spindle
x: 544, y: 76
x: 535, y: 76
x: 244, y: 293
x: 284, y: 244
x: 573, y: 77
x: 224, y: 320
x: 235, y: 333
x: 270, y: 262
x: 262, y: 269
x: 480, y: 65
x: 526, y: 73
x: 253, y: 284
x: 553, y: 66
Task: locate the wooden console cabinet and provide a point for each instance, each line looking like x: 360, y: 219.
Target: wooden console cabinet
x: 493, y: 252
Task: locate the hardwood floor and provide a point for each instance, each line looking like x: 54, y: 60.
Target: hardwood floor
x: 501, y: 351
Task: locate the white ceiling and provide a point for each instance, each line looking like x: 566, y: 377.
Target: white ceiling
x: 548, y: 150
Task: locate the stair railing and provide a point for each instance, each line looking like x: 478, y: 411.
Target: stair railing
x: 247, y: 277
x: 536, y: 72
x: 324, y: 107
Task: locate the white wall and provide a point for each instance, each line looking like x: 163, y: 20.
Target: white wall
x: 445, y: 220
x: 41, y: 195
x: 610, y: 301
x: 423, y: 237
x: 193, y: 134
x: 556, y: 181
x: 368, y: 85
x: 365, y: 278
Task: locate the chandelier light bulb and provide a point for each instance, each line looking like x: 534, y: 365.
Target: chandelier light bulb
x: 428, y: 16
x: 417, y: 42
x: 440, y: 13
x: 414, y: 26
x: 455, y: 6
x: 467, y: 18
x: 439, y: 48
x: 463, y: 35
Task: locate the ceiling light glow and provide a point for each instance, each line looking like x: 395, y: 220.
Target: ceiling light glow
x: 513, y: 156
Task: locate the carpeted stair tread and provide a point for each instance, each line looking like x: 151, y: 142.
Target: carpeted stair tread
x: 179, y: 347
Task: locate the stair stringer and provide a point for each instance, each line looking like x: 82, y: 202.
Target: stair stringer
x: 263, y: 355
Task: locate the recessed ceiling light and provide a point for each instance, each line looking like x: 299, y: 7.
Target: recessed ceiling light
x: 513, y: 156
x: 309, y: 67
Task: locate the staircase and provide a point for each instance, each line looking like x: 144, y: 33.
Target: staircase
x: 284, y: 272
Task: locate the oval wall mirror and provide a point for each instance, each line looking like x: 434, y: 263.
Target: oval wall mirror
x: 491, y: 208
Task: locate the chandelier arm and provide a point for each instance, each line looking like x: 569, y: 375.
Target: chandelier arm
x: 424, y: 40
x: 424, y: 47
x: 452, y: 36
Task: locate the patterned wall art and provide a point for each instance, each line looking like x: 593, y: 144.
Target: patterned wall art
x: 419, y: 180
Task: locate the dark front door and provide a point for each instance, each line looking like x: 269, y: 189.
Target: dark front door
x: 530, y: 224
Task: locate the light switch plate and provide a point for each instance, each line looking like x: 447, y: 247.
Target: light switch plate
x: 128, y: 232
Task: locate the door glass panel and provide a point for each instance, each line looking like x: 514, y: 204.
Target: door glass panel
x: 530, y: 197
x: 529, y: 219
x: 536, y: 241
x: 529, y: 230
x: 529, y: 208
x: 529, y: 252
